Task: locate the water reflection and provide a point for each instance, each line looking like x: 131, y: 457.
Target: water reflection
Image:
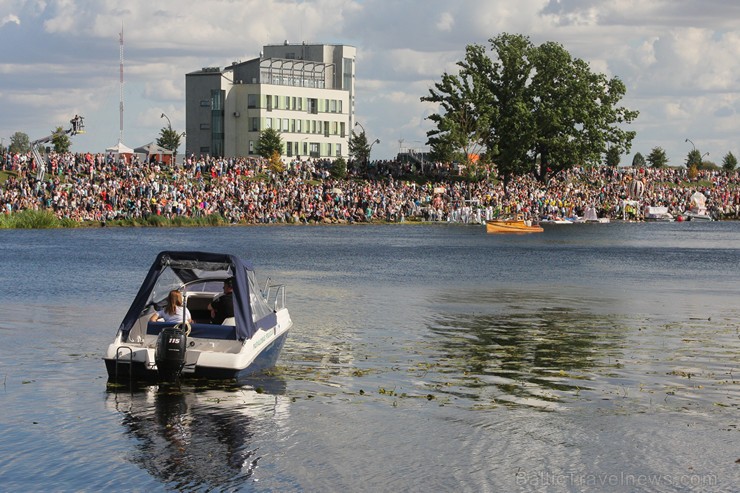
x: 195, y: 438
x: 521, y: 348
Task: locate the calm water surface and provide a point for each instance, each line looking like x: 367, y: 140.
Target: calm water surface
x: 423, y: 358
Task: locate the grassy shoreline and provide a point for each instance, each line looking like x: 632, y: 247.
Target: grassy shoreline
x: 36, y: 219
x: 30, y: 219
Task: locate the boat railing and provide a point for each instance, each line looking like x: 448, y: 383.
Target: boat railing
x: 275, y: 296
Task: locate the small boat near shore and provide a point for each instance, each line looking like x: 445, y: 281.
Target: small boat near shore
x: 235, y: 347
x: 658, y: 214
x: 515, y: 226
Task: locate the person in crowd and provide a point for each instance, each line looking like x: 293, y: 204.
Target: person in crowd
x: 86, y: 187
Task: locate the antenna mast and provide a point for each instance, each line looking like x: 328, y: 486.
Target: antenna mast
x: 120, y: 137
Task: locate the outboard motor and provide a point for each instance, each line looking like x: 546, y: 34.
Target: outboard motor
x: 169, y: 353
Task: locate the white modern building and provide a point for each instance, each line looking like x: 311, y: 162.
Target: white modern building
x: 304, y: 91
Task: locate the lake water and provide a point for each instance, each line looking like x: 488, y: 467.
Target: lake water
x: 422, y: 358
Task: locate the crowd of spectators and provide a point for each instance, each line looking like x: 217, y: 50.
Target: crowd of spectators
x: 99, y: 187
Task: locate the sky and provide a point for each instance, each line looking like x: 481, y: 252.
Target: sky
x: 60, y: 58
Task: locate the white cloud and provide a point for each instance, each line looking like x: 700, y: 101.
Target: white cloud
x: 10, y: 19
x: 445, y: 22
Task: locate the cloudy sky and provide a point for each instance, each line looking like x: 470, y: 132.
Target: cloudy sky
x: 678, y: 58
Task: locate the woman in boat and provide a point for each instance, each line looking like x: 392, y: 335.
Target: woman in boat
x: 173, y: 312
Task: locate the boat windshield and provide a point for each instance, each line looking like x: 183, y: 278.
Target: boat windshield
x: 257, y: 300
x: 210, y: 286
x: 166, y: 282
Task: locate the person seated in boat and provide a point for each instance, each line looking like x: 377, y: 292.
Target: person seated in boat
x: 173, y: 311
x: 223, y: 306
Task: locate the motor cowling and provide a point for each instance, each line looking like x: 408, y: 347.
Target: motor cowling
x: 169, y: 354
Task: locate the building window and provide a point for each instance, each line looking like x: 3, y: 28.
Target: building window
x: 251, y: 101
x: 254, y: 124
x: 347, y: 69
x: 268, y: 122
x: 268, y: 100
x: 251, y: 147
x: 339, y: 150
x: 289, y: 149
x: 315, y: 149
x: 286, y: 125
x: 328, y: 149
x: 342, y: 129
x: 313, y: 106
x: 326, y: 129
x: 298, y: 126
x: 205, y: 103
x: 339, y: 105
x: 300, y: 104
x: 217, y: 100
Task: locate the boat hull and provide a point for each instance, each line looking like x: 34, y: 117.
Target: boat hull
x: 122, y: 370
x: 513, y: 226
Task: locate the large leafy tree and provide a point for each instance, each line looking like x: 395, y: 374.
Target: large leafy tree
x: 638, y: 161
x: 535, y: 109
x: 269, y: 143
x: 463, y: 125
x: 169, y: 139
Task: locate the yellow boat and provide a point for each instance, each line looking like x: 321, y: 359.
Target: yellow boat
x: 512, y: 226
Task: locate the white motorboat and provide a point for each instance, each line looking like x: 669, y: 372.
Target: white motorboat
x: 658, y: 213
x: 236, y: 347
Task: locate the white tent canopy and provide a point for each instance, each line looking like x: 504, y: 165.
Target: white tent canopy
x: 120, y: 148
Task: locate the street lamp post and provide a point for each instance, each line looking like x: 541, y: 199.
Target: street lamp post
x: 169, y: 123
x: 370, y: 150
x: 376, y: 141
x: 169, y: 126
x: 692, y: 143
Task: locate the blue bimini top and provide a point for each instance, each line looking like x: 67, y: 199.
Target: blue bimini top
x: 172, y: 270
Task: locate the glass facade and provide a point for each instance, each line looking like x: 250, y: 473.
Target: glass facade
x: 217, y: 122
